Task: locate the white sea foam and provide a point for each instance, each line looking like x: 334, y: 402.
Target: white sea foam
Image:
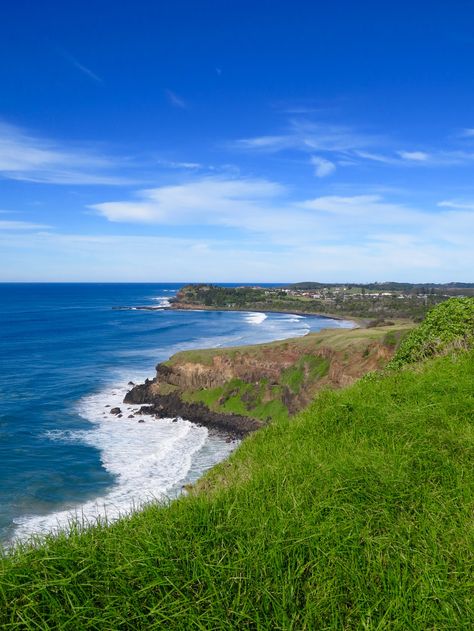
x: 162, y: 301
x: 255, y: 318
x: 150, y: 460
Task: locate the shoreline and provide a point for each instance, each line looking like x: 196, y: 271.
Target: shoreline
x: 359, y: 322
x: 224, y: 428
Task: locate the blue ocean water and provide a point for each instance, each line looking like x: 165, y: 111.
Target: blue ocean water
x: 66, y: 354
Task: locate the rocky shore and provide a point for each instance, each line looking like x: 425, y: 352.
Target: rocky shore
x: 173, y: 406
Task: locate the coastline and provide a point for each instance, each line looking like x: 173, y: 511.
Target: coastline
x: 180, y: 306
x: 143, y: 477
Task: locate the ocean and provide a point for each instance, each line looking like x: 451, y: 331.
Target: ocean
x: 66, y: 354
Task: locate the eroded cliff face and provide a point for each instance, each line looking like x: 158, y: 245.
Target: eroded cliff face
x: 270, y: 365
x: 289, y: 373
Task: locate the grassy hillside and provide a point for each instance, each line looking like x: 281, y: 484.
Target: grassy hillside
x: 356, y: 514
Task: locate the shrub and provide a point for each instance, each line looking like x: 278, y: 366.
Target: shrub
x: 448, y: 326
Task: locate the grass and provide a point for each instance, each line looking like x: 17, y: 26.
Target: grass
x: 356, y: 514
x: 240, y: 397
x: 336, y: 339
x: 312, y: 366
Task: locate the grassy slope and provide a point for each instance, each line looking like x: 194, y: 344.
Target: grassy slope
x: 354, y: 515
x: 337, y: 339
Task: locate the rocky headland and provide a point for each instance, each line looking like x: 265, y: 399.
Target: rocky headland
x: 238, y: 390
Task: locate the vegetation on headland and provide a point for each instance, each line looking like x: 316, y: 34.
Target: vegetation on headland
x: 376, y: 301
x: 355, y: 514
x: 448, y: 326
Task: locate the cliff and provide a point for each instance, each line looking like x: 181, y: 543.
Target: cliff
x: 239, y: 389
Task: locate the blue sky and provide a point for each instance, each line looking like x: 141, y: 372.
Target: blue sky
x: 236, y: 141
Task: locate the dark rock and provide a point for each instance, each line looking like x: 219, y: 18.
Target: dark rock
x: 172, y: 406
x: 131, y: 416
x: 115, y: 411
x: 138, y: 394
x: 141, y: 421
x: 130, y: 383
x: 119, y: 415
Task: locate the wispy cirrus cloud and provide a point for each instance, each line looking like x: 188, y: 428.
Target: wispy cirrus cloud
x: 15, y: 225
x: 345, y: 145
x: 83, y: 69
x: 21, y: 225
x: 308, y: 136
x: 457, y: 204
x: 175, y: 99
x: 30, y: 158
x: 177, y: 164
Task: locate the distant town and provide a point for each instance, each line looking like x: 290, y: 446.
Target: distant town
x: 371, y: 301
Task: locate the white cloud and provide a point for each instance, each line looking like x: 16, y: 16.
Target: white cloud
x: 208, y: 200
x: 468, y: 132
x: 322, y: 166
x: 457, y: 204
x: 32, y: 159
x: 371, y: 209
x: 377, y: 228
x: 417, y: 156
x: 266, y: 143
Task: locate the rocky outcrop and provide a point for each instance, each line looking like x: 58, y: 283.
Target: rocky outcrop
x: 173, y: 406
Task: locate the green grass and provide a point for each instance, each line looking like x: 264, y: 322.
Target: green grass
x: 336, y: 339
x: 356, y: 514
x: 312, y: 366
x: 240, y: 397
x: 318, y: 366
x: 293, y: 377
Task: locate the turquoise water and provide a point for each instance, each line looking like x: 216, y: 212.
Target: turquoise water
x: 66, y: 354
